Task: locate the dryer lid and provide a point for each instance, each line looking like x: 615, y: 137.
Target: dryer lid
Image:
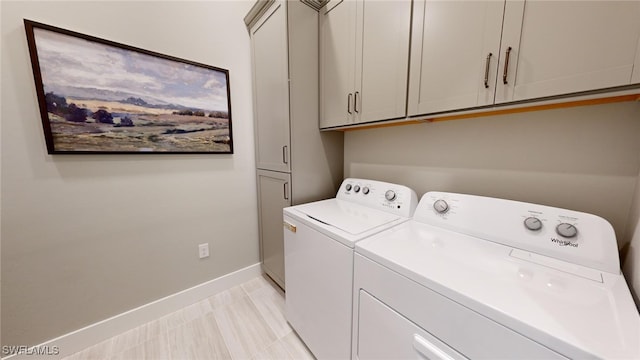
x: 577, y: 315
x: 351, y: 218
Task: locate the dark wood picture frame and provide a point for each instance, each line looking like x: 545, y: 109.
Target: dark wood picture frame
x: 100, y: 97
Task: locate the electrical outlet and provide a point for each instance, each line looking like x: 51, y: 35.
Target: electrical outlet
x: 203, y: 250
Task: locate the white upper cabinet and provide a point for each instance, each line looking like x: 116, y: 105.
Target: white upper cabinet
x: 466, y: 54
x: 454, y: 55
x: 364, y: 57
x: 381, y: 79
x: 271, y: 89
x: 337, y: 61
x: 563, y: 47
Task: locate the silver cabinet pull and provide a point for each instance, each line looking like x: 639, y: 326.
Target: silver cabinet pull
x: 285, y: 153
x: 486, y: 71
x: 286, y: 191
x: 355, y: 102
x: 506, y: 65
x: 349, y: 103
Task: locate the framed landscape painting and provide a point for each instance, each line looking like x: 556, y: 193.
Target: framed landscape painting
x: 98, y: 96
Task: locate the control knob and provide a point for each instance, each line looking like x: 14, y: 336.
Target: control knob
x: 533, y: 223
x: 356, y: 188
x: 348, y: 187
x: 390, y: 195
x: 567, y: 230
x: 365, y: 190
x: 441, y: 206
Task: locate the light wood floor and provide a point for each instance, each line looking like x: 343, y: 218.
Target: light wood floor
x: 244, y: 322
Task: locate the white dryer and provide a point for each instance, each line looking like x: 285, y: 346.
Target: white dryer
x: 475, y: 277
x: 319, y: 238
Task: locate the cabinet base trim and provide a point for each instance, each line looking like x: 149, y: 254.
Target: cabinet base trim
x: 492, y: 112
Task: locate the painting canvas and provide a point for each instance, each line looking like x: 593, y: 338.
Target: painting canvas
x: 98, y: 96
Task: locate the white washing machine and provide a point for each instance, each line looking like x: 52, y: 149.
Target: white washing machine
x: 318, y: 243
x: 475, y: 277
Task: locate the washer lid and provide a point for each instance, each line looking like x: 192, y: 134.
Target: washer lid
x: 351, y: 218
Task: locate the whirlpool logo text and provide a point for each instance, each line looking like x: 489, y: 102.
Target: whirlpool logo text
x: 564, y: 242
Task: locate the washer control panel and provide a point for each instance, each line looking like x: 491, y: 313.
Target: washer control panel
x: 566, y: 235
x: 393, y: 198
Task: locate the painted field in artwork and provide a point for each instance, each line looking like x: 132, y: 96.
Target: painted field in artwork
x: 116, y: 126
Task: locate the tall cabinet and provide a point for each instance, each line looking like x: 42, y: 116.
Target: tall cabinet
x: 295, y: 162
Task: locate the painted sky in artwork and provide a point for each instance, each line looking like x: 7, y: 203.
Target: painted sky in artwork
x: 74, y: 67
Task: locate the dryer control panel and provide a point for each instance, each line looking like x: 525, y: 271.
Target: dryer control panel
x: 567, y: 235
x: 389, y: 197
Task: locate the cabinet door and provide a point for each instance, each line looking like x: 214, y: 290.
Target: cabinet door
x: 635, y: 78
x: 455, y: 48
x: 563, y: 47
x: 337, y: 61
x: 274, y: 194
x: 271, y: 89
x: 383, y: 60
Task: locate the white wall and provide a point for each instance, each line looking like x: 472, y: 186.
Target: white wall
x: 88, y: 237
x: 583, y: 158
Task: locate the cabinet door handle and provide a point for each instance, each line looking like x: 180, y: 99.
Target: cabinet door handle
x: 286, y: 190
x: 506, y: 65
x: 355, y: 102
x: 349, y: 103
x: 486, y: 71
x: 429, y: 350
x: 285, y: 154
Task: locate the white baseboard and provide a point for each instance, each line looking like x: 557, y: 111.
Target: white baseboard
x: 95, y: 333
